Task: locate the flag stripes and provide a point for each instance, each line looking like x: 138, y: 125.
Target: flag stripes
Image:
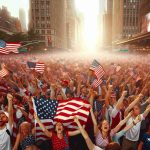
x: 40, y: 67
x: 99, y: 72
x: 6, y: 48
x: 97, y: 82
x: 52, y: 111
x: 37, y: 66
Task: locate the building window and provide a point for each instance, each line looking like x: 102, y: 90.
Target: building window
x: 52, y: 32
x: 36, y: 11
x: 37, y: 18
x: 43, y: 31
x: 48, y: 31
x: 48, y: 18
x: 42, y: 12
x: 43, y: 25
x: 42, y: 18
x: 48, y: 25
x: 42, y: 2
x: 37, y: 31
x: 37, y: 25
x: 47, y: 2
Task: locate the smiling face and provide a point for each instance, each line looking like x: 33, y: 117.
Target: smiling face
x: 59, y: 127
x: 3, y: 119
x: 105, y: 126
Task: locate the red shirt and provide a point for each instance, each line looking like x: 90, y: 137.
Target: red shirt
x: 59, y: 144
x: 116, y: 119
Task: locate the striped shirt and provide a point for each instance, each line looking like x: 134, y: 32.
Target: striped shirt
x: 100, y: 141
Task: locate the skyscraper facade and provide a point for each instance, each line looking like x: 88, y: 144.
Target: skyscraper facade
x: 107, y: 23
x: 47, y: 18
x: 8, y: 23
x: 125, y: 18
x: 70, y: 23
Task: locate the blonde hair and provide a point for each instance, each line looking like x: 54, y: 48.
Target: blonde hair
x: 28, y: 125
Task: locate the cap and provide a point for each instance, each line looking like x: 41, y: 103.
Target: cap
x: 6, y: 113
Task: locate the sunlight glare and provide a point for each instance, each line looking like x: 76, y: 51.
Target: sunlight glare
x: 90, y: 11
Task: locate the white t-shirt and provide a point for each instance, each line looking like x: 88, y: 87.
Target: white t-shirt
x: 134, y: 132
x: 97, y: 148
x: 5, y: 143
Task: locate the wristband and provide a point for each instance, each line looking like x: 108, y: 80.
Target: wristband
x: 134, y: 123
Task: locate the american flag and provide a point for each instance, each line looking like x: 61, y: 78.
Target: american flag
x: 6, y: 48
x: 52, y: 111
x: 3, y: 72
x: 98, y: 69
x: 97, y: 82
x: 94, y: 65
x: 38, y: 66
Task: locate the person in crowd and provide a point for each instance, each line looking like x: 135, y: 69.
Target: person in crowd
x: 120, y: 102
x: 145, y: 142
x: 89, y: 143
x: 25, y: 137
x: 6, y: 125
x: 59, y: 136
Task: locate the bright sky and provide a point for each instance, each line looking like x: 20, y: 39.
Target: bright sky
x: 90, y: 10
x: 14, y: 5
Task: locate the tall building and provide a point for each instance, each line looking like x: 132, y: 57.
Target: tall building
x: 22, y: 18
x: 47, y: 18
x: 107, y: 23
x: 125, y: 18
x: 144, y: 16
x: 70, y: 23
x: 8, y: 23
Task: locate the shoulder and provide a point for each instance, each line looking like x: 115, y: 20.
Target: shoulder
x: 9, y: 126
x: 98, y: 135
x: 97, y: 148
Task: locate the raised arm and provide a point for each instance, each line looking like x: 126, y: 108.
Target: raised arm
x: 52, y: 95
x: 120, y: 101
x: 146, y: 112
x: 91, y: 98
x: 78, y: 88
x: 137, y: 119
x: 121, y: 123
x: 47, y: 133
x: 10, y: 109
x: 110, y: 87
x: 73, y: 133
x: 94, y: 122
x: 17, y: 142
x: 84, y: 134
x: 118, y: 135
x: 133, y: 103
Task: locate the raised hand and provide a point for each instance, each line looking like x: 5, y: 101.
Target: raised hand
x: 124, y: 93
x: 9, y: 96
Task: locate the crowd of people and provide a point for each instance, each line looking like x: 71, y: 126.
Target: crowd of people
x: 119, y: 116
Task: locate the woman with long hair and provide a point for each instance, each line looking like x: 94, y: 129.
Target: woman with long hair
x: 25, y: 137
x: 103, y: 134
x: 59, y: 136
